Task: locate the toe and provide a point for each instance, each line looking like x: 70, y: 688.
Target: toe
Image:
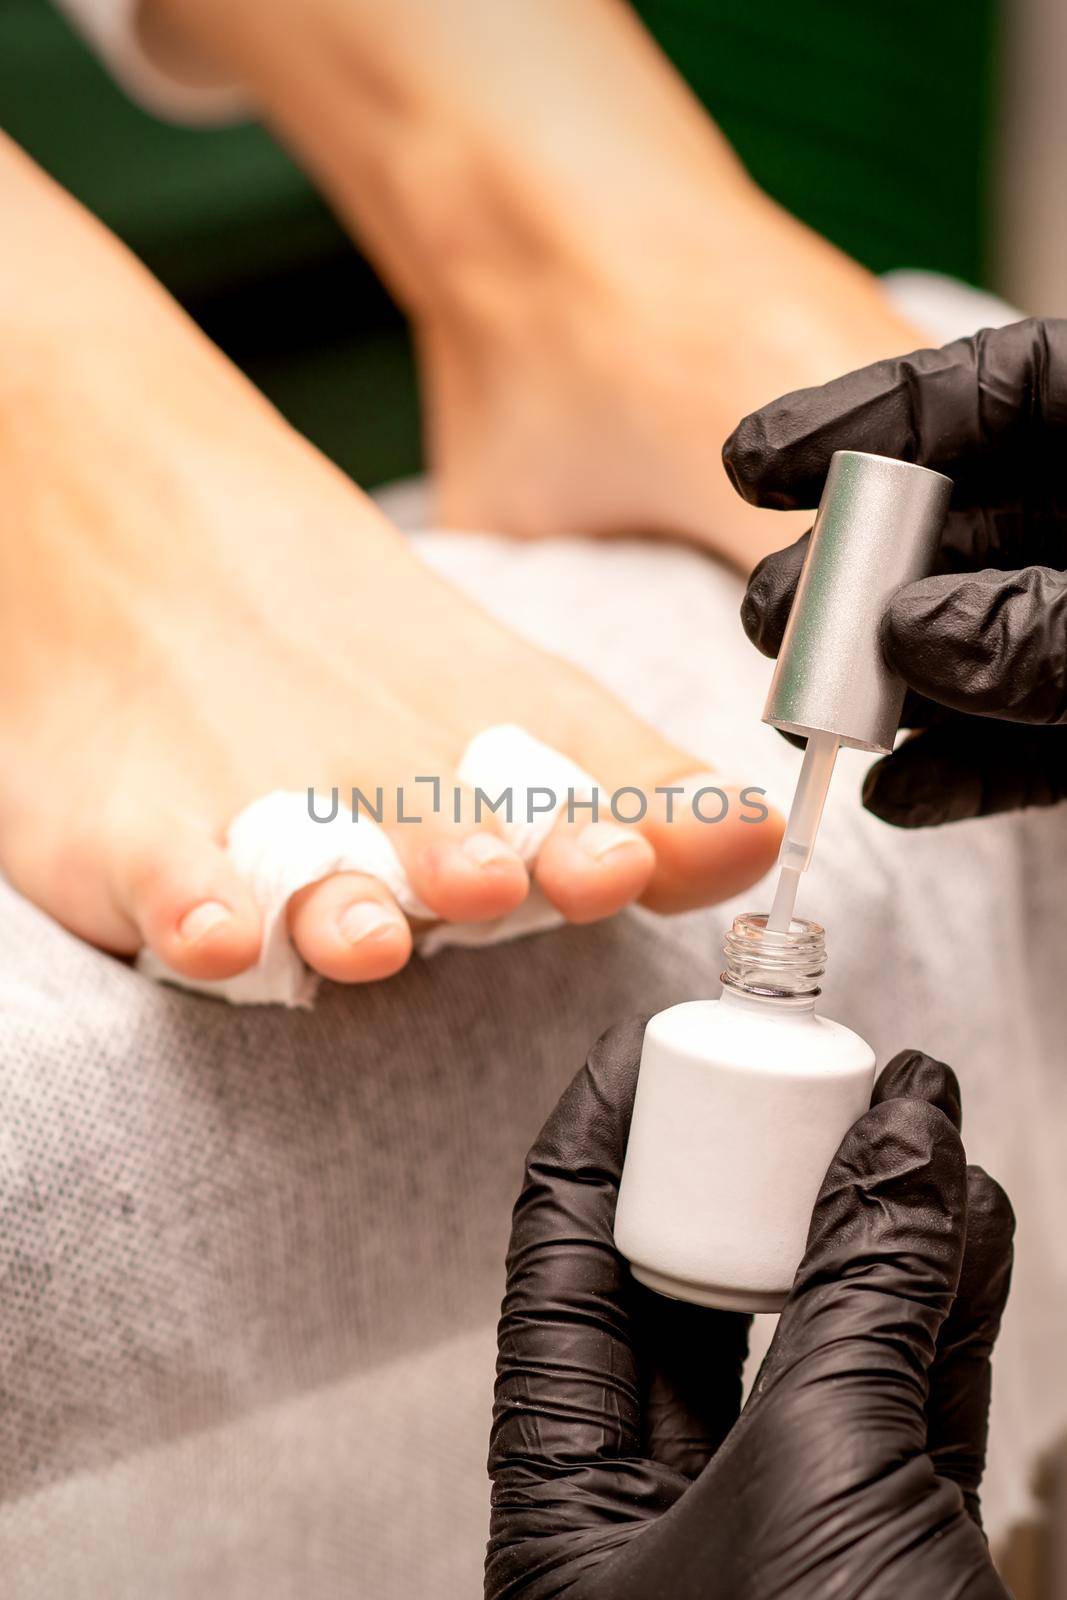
x: 712, y: 839
x: 700, y: 859
x: 592, y: 869
x: 189, y: 905
x: 462, y: 868
x: 349, y: 928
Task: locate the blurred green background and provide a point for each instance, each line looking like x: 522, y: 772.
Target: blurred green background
x: 869, y: 121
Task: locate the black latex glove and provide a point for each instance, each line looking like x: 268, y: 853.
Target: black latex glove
x: 982, y: 644
x: 620, y: 1468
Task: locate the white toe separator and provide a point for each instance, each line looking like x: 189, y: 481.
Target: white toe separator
x: 278, y: 847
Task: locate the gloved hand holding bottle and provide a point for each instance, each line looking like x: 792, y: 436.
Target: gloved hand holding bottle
x: 622, y: 1465
x: 982, y: 644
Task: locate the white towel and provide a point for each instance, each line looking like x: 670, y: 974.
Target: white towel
x: 279, y: 847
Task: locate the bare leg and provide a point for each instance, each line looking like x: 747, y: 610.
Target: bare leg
x: 598, y: 290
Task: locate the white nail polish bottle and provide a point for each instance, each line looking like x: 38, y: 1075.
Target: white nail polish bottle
x: 742, y: 1101
x: 741, y: 1104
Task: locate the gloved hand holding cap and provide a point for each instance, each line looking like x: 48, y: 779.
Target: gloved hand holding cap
x: 982, y: 644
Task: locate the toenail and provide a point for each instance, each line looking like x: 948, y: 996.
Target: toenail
x: 365, y: 919
x: 486, y: 851
x: 600, y: 839
x: 202, y: 919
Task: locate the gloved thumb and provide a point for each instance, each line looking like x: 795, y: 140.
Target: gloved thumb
x: 858, y: 1334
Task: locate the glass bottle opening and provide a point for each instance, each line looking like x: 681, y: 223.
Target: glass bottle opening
x: 777, y: 966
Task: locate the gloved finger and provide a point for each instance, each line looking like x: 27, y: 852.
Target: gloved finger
x: 847, y: 1372
x: 1030, y: 533
x: 691, y: 1363
x: 913, y: 1075
x: 567, y: 1380
x: 769, y: 596
x: 568, y: 1437
x: 987, y: 643
x: 957, y: 1410
x: 967, y: 768
x: 949, y: 408
x: 918, y: 712
x: 566, y: 1433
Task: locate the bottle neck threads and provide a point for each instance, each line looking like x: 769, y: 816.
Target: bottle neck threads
x: 774, y: 966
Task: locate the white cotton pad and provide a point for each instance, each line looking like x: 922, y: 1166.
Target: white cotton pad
x: 278, y: 848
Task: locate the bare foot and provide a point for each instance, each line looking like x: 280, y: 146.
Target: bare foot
x: 196, y: 609
x: 601, y: 405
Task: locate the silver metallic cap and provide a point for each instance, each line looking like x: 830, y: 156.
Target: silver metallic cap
x: 877, y: 527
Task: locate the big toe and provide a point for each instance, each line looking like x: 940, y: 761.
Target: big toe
x: 712, y: 838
